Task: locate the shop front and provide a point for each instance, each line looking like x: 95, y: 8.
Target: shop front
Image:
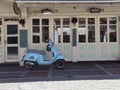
x: 90, y: 38
x: 81, y: 31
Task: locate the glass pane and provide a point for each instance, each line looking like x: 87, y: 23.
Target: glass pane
x: 91, y: 20
x: 74, y: 37
x: 57, y: 34
x: 91, y: 28
x: 45, y: 34
x: 82, y: 21
x: 66, y: 21
x: 66, y: 34
x: 57, y: 21
x: 112, y: 28
x: 112, y: 35
x: 36, y: 39
x: 82, y: 33
x: 103, y: 33
x: 91, y: 33
x: 0, y: 30
x: 35, y: 22
x: 0, y: 21
x: 0, y: 40
x: 103, y: 20
x: 103, y: 28
x: 36, y: 30
x: 12, y: 29
x: 12, y: 52
x: 45, y: 21
x: 112, y: 20
x: 12, y: 40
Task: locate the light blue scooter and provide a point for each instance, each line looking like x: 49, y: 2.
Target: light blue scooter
x: 37, y: 57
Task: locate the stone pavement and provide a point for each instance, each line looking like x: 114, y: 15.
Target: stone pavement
x: 63, y: 85
x: 75, y: 76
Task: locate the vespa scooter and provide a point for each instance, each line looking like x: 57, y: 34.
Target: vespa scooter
x: 37, y: 57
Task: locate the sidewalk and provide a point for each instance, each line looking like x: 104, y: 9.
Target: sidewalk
x: 72, y: 71
x: 75, y: 76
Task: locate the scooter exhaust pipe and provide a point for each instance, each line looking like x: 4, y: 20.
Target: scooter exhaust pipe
x: 30, y: 63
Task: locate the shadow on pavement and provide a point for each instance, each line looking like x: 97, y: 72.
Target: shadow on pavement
x: 72, y: 71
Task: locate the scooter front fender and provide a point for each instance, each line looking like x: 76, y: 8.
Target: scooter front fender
x: 59, y: 56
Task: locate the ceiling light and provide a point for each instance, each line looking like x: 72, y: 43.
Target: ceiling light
x: 47, y: 11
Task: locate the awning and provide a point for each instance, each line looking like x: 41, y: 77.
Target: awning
x: 67, y: 1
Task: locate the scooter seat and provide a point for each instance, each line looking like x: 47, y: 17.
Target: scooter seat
x: 42, y: 52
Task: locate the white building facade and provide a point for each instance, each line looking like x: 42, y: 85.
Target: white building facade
x: 81, y: 30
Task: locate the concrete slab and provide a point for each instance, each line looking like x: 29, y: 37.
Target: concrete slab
x: 79, y: 66
x: 72, y: 71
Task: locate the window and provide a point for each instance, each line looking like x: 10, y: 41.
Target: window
x: 82, y: 30
x: 40, y: 30
x: 91, y: 29
x: 35, y: 22
x: 108, y: 28
x: 12, y: 29
x: 35, y: 31
x: 12, y: 52
x: 66, y: 30
x: 57, y: 30
x: 112, y: 29
x: 103, y: 30
x: 45, y: 33
x: 36, y: 39
x: 45, y: 30
x: 12, y: 40
x: 0, y: 21
x: 0, y: 31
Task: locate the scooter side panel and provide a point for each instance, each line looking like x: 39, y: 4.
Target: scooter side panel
x: 32, y: 57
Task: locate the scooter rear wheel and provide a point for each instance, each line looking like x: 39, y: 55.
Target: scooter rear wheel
x: 60, y: 64
x: 27, y: 65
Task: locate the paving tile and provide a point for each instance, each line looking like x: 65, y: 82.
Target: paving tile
x: 78, y: 73
x: 79, y: 66
x: 36, y: 74
x: 85, y: 70
x: 11, y: 75
x: 115, y: 71
x: 109, y: 65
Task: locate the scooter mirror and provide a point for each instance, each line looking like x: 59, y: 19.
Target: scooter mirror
x: 47, y: 41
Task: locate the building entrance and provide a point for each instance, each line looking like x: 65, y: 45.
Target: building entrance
x: 11, y: 42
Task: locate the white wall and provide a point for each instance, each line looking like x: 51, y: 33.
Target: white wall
x: 6, y: 9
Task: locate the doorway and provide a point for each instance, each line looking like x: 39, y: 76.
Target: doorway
x: 11, y: 41
x: 84, y: 40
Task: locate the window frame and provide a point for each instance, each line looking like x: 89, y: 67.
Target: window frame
x: 108, y: 30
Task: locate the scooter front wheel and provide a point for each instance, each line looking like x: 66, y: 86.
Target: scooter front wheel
x: 60, y: 64
x: 28, y: 64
